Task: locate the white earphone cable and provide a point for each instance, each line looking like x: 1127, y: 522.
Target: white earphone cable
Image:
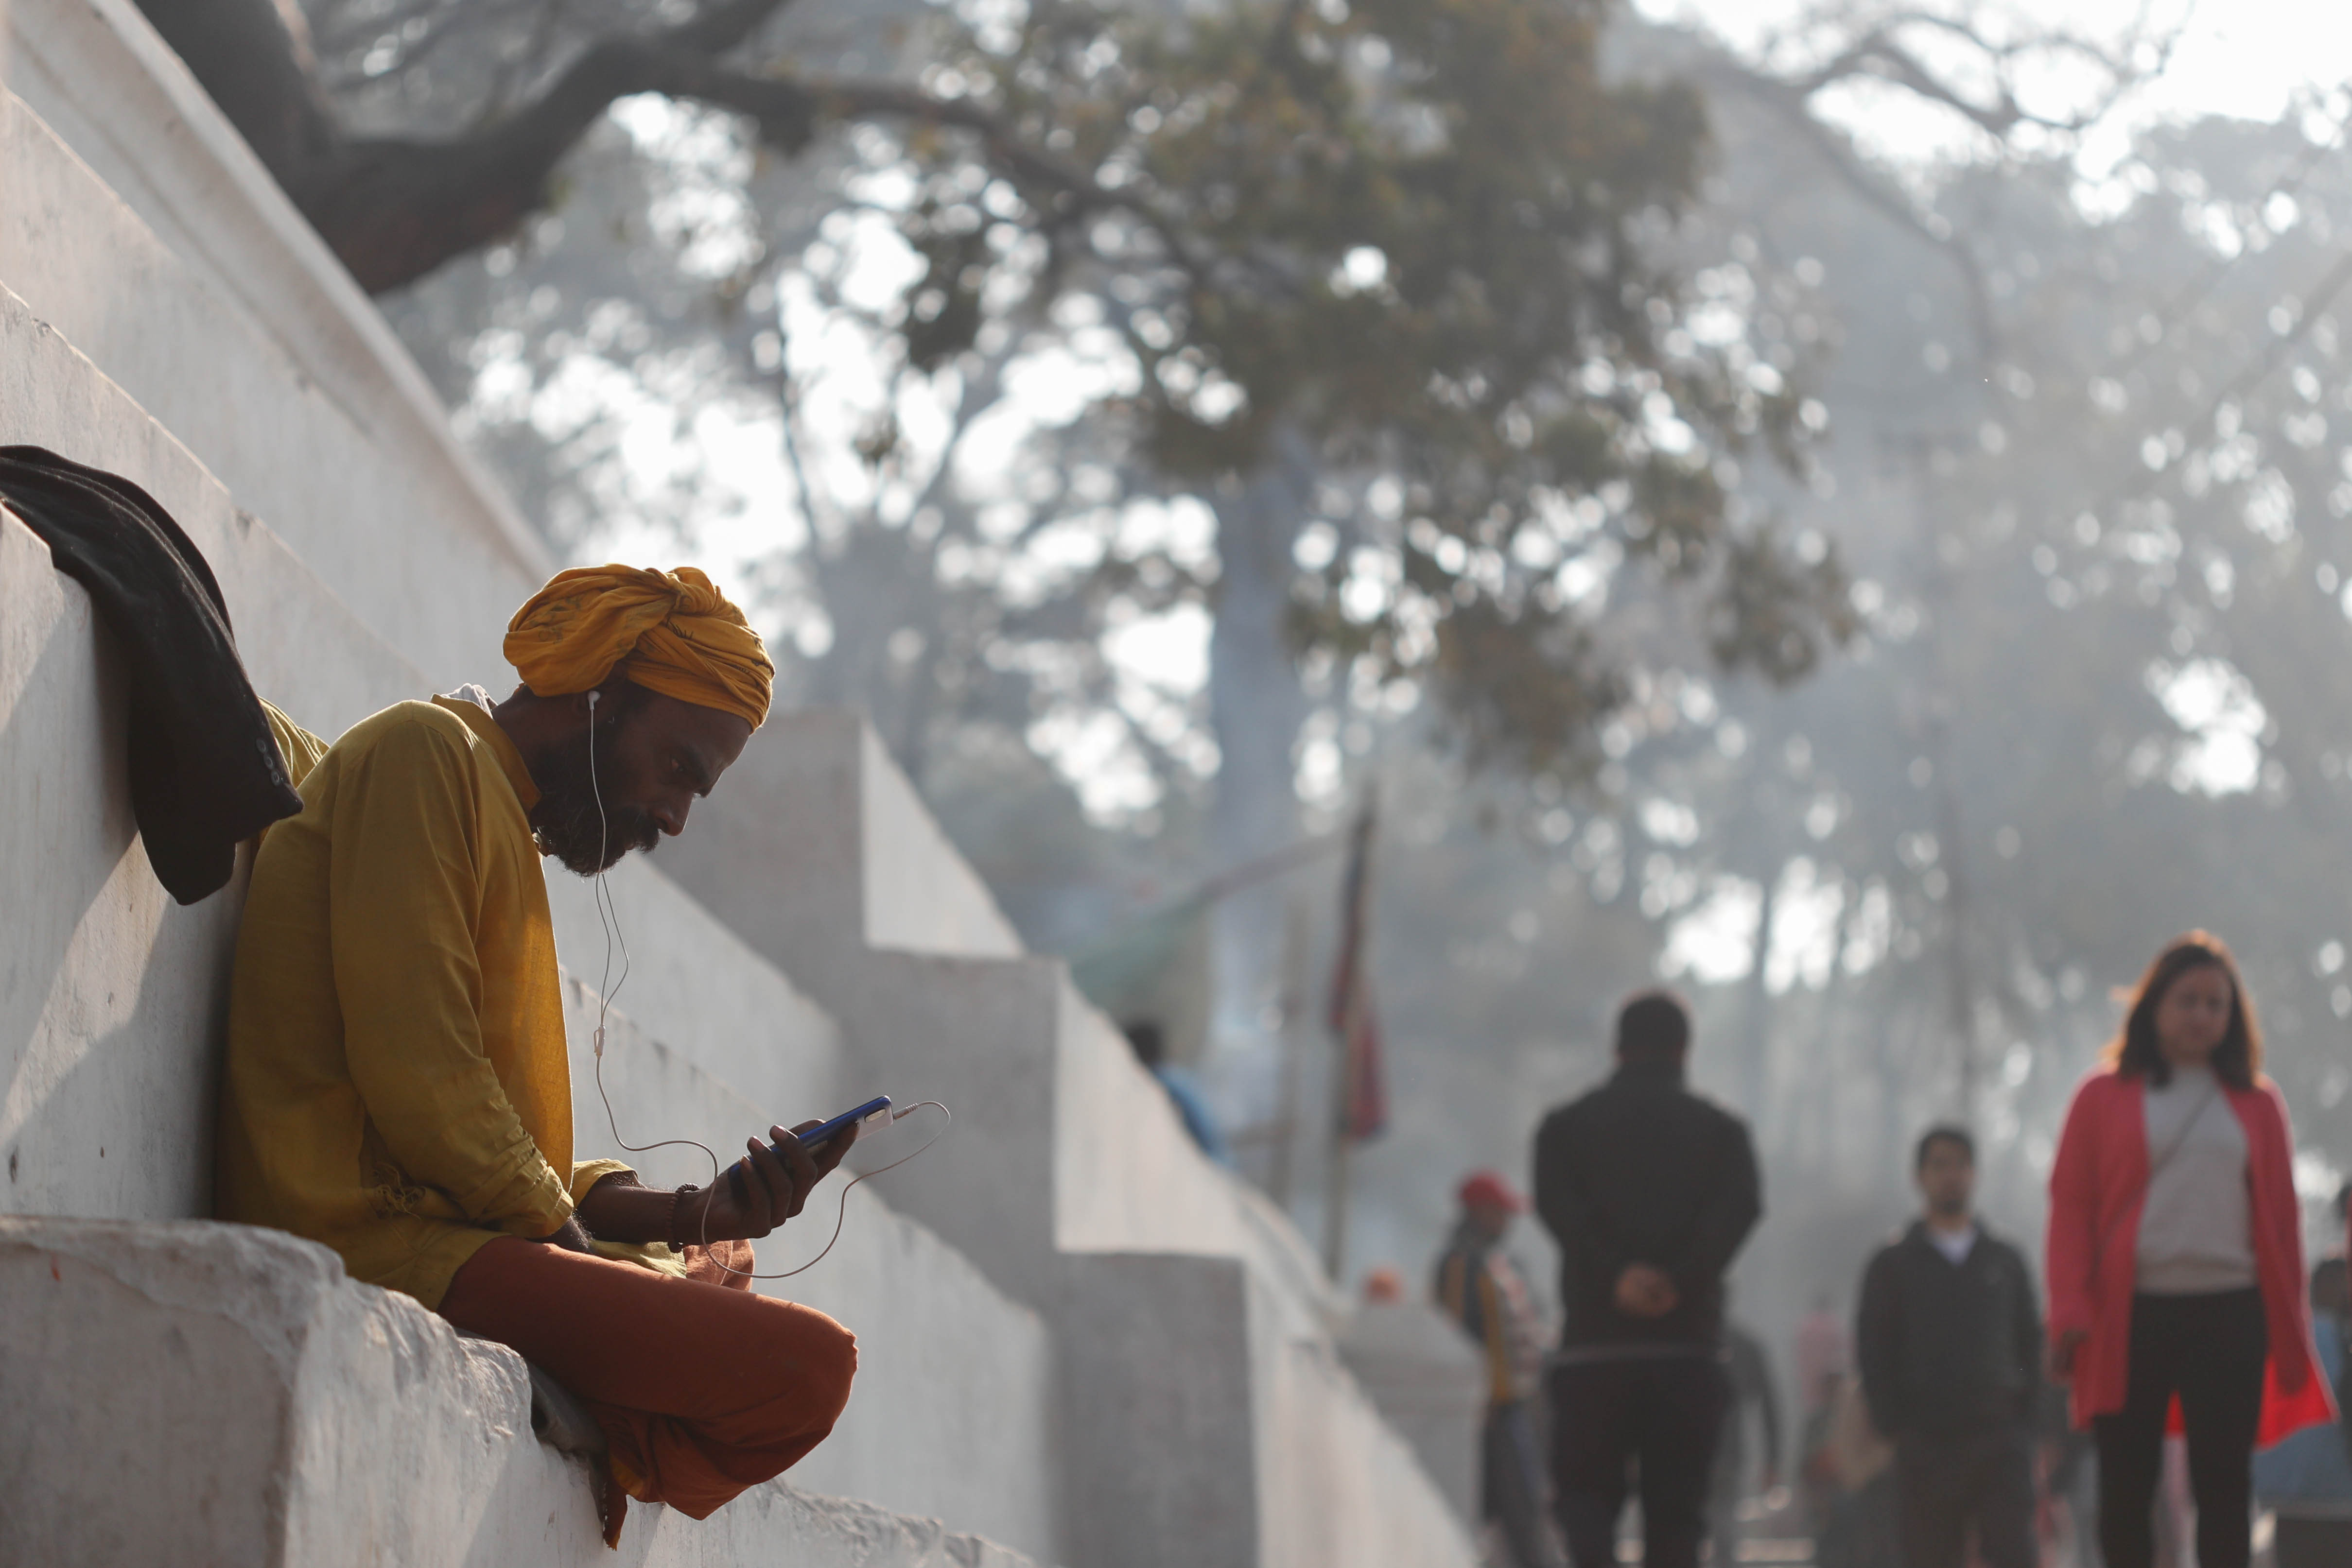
x: 608, y: 916
x: 842, y: 1214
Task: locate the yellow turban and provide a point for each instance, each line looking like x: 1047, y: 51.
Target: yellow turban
x: 670, y: 632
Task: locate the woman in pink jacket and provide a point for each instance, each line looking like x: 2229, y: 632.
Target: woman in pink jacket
x: 2175, y: 1257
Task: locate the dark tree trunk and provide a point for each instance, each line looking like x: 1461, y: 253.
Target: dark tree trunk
x: 392, y: 209
x: 1256, y: 709
x: 254, y: 58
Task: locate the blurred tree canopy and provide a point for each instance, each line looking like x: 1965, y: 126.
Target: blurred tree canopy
x: 1426, y: 251
x: 2099, y: 696
x: 2088, y: 460
x: 1456, y: 348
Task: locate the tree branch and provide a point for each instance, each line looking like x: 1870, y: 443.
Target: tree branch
x: 1788, y: 101
x: 722, y: 26
x: 1880, y: 51
x: 368, y: 203
x: 394, y: 208
x: 253, y: 57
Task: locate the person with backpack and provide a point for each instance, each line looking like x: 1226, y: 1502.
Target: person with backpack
x: 2175, y: 1257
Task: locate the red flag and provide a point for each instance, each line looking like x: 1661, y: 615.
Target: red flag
x: 1364, y: 1100
x: 1366, y: 1114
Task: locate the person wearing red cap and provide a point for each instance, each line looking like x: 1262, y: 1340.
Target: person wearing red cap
x: 1481, y: 1287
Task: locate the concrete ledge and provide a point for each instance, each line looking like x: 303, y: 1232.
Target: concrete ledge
x: 849, y: 858
x: 1351, y: 1493
x: 265, y: 1410
x: 919, y: 895
x: 1161, y: 1409
x: 1062, y: 1140
x: 698, y: 987
x: 1200, y: 1431
x: 262, y: 1407
x: 1429, y: 1383
x: 304, y: 647
x: 112, y: 997
x: 780, y: 1524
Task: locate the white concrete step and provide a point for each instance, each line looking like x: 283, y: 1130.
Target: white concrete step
x: 192, y: 1392
x: 821, y: 858
x: 1202, y: 1414
x: 1207, y: 1416
x: 953, y: 1415
x: 1430, y: 1383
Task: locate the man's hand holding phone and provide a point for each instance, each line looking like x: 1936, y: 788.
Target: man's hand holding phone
x: 1645, y: 1292
x: 767, y: 1186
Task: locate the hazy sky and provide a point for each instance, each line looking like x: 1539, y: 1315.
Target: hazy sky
x: 2244, y: 57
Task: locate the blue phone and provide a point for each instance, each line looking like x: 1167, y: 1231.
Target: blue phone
x: 875, y: 1110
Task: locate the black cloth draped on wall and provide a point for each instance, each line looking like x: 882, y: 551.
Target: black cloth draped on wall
x: 205, y: 770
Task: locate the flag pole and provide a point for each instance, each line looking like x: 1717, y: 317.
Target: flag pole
x: 1343, y: 1144
x: 1348, y: 1023
x: 1295, y: 1028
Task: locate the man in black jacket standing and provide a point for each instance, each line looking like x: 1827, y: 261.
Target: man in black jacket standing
x: 1949, y: 1340
x: 1649, y: 1190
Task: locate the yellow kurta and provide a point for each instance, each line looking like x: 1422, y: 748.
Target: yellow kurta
x: 397, y: 1085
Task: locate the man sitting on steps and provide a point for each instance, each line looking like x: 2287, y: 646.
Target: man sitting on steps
x: 398, y: 1086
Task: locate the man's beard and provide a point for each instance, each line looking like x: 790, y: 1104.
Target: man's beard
x: 568, y: 824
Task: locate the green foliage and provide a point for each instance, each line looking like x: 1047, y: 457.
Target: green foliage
x: 1766, y: 617
x: 943, y: 308
x: 1424, y: 261
x: 1426, y: 243
x: 2097, y: 694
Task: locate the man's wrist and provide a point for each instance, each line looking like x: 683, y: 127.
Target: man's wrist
x: 623, y: 1209
x: 688, y: 1208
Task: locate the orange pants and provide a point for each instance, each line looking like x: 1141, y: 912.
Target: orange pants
x: 703, y: 1389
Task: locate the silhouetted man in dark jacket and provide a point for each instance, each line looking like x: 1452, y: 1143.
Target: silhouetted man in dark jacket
x: 1949, y: 1341
x: 1649, y: 1190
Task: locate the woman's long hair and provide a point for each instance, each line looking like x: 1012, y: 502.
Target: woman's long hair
x: 2239, y: 1055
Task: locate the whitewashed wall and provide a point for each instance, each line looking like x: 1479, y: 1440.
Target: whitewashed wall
x: 142, y: 229
x: 112, y: 997
x: 1078, y: 1330
x: 1206, y: 1413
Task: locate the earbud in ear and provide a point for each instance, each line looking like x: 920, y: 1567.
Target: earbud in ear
x: 593, y: 696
